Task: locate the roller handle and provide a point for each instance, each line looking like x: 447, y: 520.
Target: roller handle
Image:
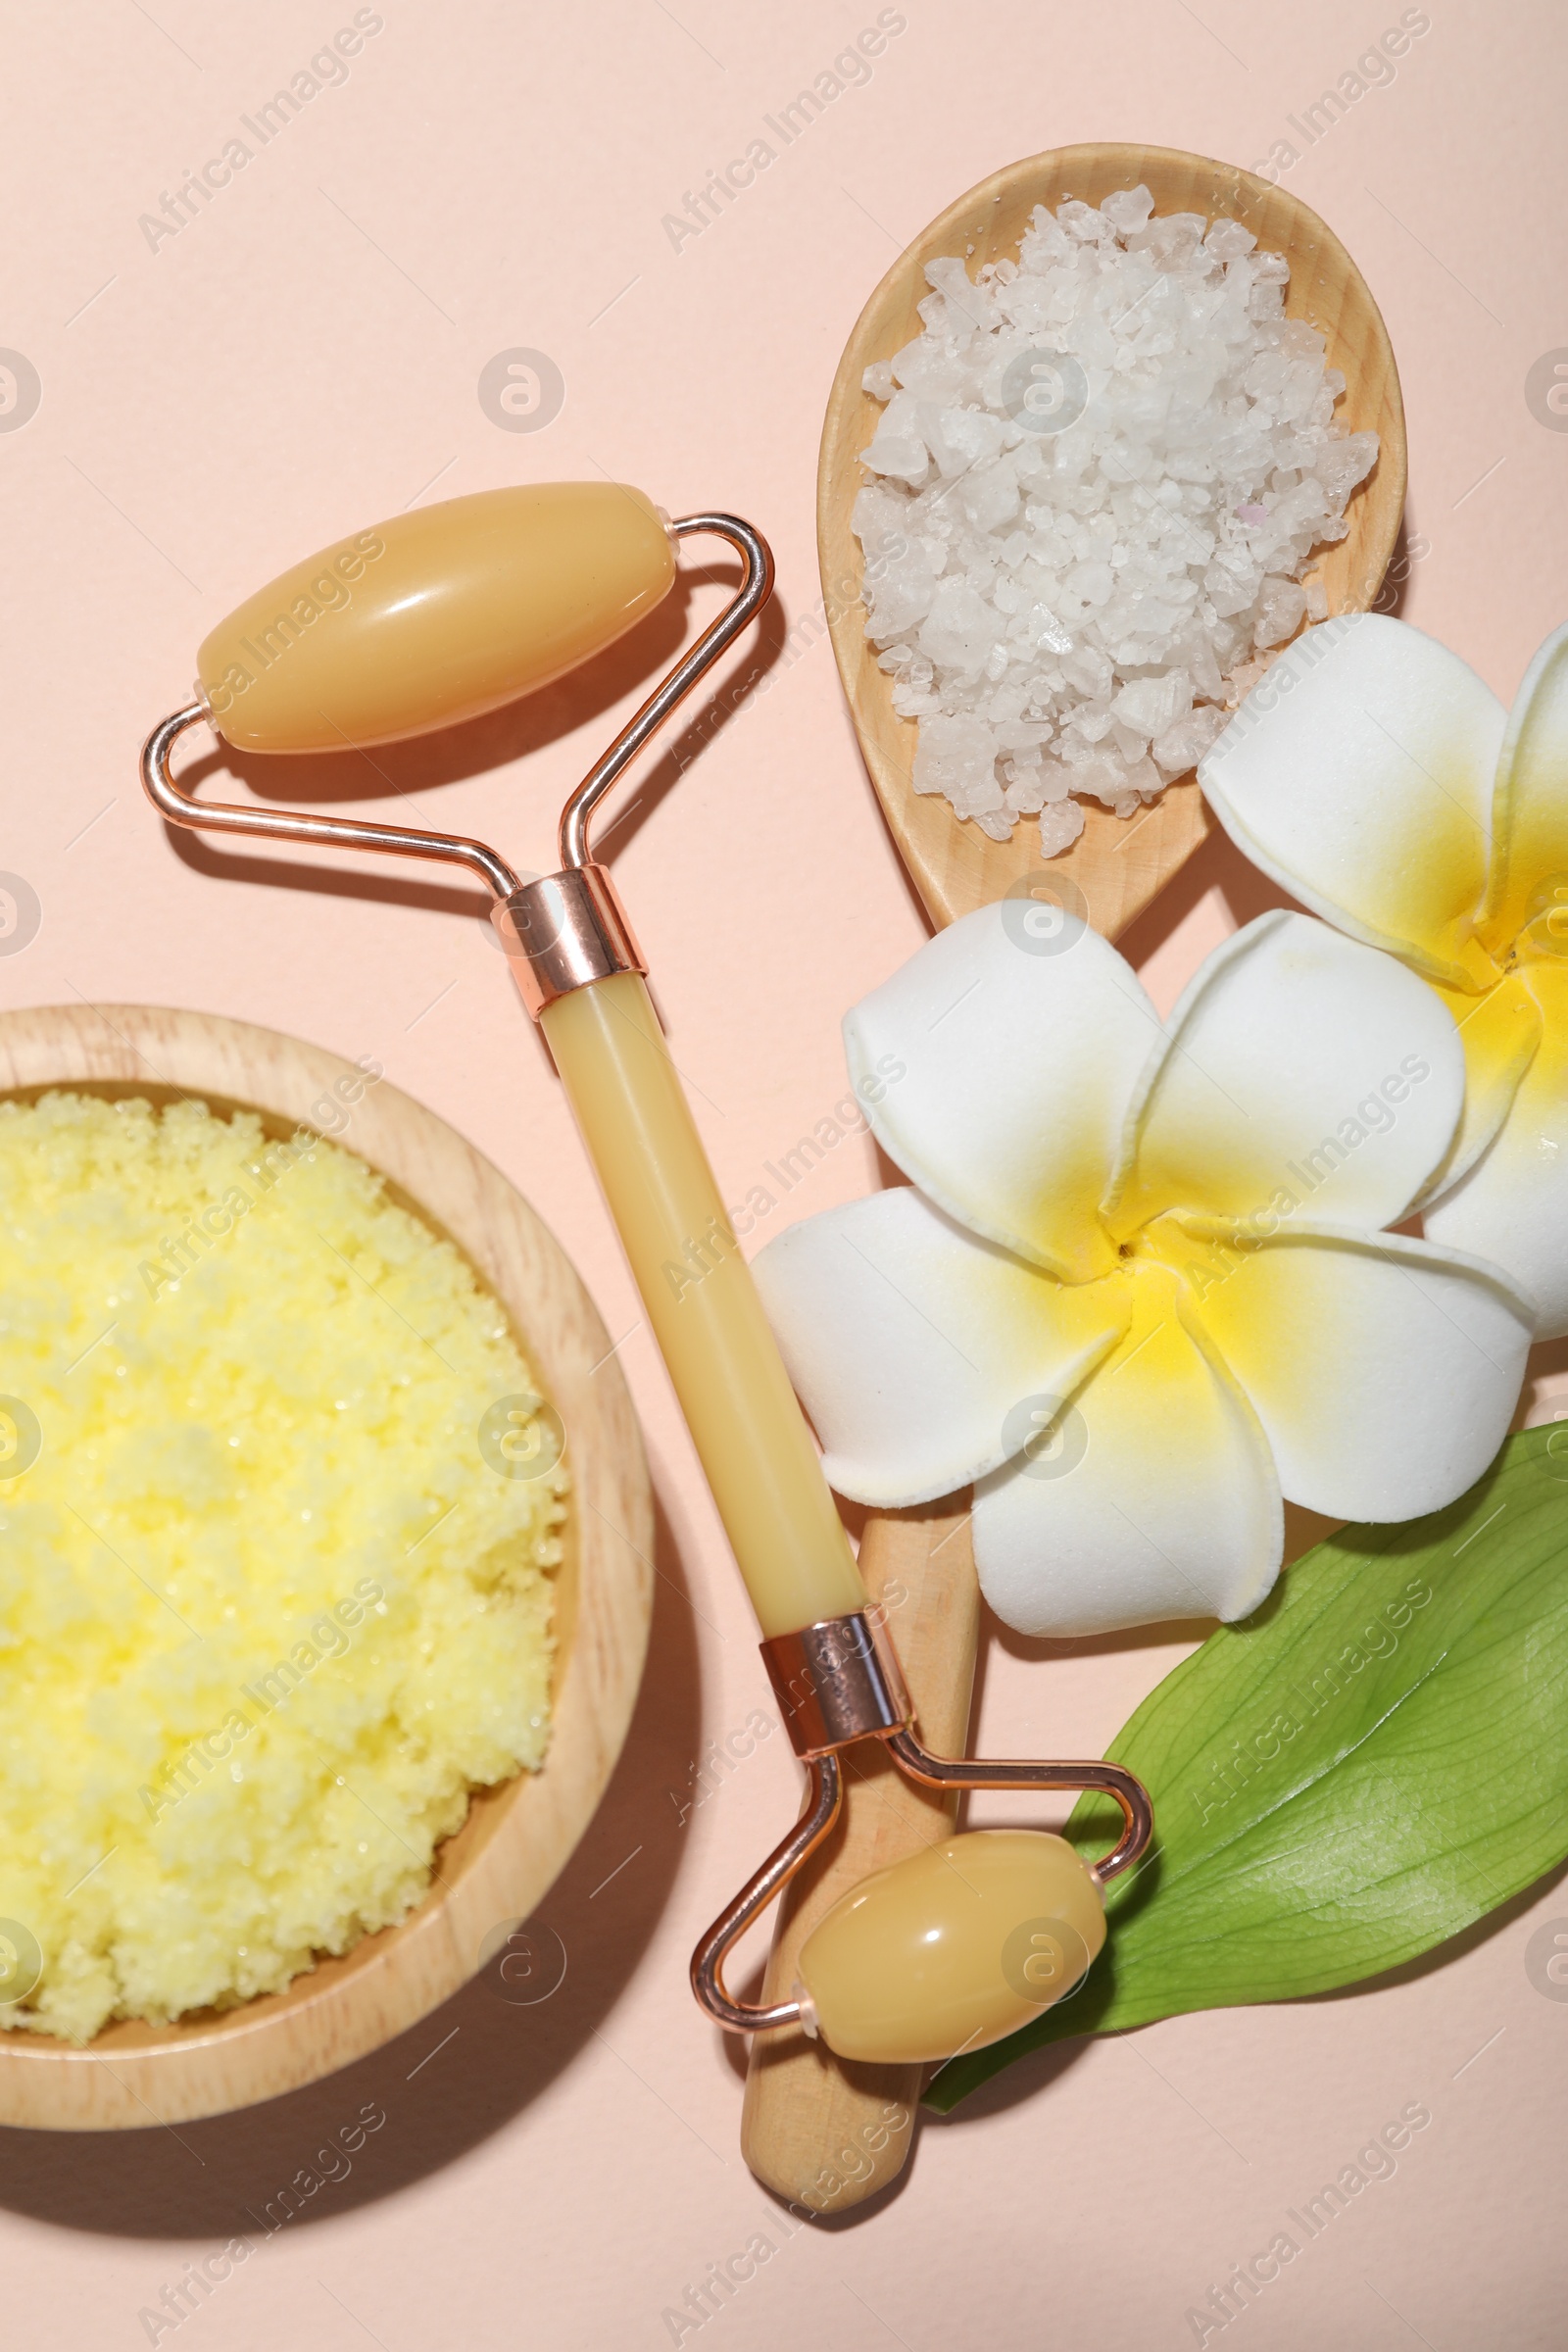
x: 701, y: 1304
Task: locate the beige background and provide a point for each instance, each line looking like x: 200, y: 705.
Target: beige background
x: 303, y: 359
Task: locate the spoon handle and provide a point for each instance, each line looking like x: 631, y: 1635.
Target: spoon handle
x: 824, y: 2132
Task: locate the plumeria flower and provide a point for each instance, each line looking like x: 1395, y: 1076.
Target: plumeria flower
x: 1375, y: 776
x: 1136, y: 1289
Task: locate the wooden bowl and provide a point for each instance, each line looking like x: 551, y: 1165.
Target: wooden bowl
x: 1119, y: 866
x: 516, y: 1837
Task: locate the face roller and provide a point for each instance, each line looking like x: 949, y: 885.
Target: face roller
x: 433, y: 618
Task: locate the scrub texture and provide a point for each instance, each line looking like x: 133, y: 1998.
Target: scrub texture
x: 281, y: 1507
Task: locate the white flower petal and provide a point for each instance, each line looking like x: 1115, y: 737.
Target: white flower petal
x: 1512, y: 1208
x: 1384, y: 1371
x: 997, y: 1066
x: 1530, y: 810
x: 1300, y: 1064
x: 920, y: 1351
x: 1358, y: 774
x: 1157, y: 1500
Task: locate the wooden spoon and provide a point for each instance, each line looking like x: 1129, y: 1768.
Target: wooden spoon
x: 822, y: 2133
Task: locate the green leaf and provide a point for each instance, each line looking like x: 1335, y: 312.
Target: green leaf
x: 1374, y: 1760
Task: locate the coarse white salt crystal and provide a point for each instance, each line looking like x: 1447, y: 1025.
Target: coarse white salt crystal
x: 1182, y: 745
x: 1097, y: 478
x: 1061, y: 823
x: 1281, y: 604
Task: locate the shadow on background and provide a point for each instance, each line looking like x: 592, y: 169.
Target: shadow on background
x: 1037, y: 2069
x: 452, y: 2080
x: 1469, y: 1940
x: 1215, y: 864
x: 1025, y: 2079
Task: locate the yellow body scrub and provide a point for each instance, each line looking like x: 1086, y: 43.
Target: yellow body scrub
x: 276, y: 1547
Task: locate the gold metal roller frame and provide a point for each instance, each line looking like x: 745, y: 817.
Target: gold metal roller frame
x: 435, y: 618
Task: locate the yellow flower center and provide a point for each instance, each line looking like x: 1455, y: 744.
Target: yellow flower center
x: 1544, y: 937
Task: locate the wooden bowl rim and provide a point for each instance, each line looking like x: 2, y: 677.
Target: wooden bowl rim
x: 516, y: 1837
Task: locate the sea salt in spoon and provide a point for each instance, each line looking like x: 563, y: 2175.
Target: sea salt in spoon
x: 1118, y: 866
x: 818, y: 2131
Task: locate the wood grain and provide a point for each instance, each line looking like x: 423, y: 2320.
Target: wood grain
x: 1118, y: 865
x: 517, y: 1838
x: 808, y: 2117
